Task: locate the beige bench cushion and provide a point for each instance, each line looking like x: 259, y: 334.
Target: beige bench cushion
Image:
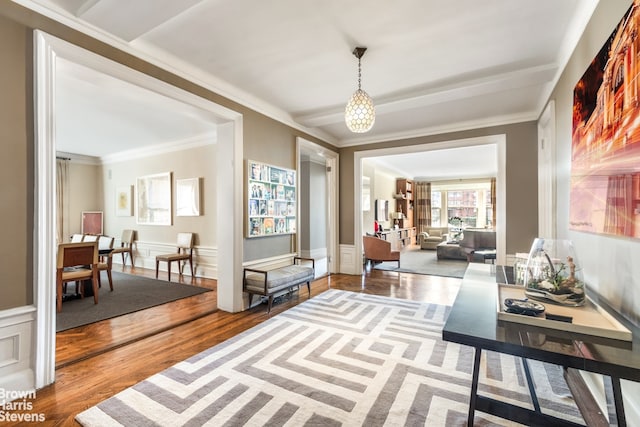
x: 279, y: 278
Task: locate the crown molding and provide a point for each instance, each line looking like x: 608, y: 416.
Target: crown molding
x: 449, y: 128
x: 176, y: 66
x: 155, y: 150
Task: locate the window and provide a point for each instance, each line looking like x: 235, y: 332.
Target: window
x: 469, y: 200
x: 463, y: 204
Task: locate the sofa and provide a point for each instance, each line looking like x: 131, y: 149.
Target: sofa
x: 431, y: 237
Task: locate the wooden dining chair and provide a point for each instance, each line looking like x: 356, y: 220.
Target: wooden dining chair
x: 184, y: 253
x: 105, y: 258
x: 126, y: 246
x: 77, y: 262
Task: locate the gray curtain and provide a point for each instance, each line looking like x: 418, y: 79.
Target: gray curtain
x: 62, y: 199
x: 422, y: 205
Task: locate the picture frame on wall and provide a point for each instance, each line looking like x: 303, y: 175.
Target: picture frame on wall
x: 153, y: 199
x: 124, y: 205
x: 271, y: 200
x: 188, y: 197
x: 92, y: 222
x: 604, y: 193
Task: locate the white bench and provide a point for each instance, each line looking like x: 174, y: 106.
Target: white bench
x: 269, y: 283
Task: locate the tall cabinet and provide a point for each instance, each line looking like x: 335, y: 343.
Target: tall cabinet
x: 404, y: 201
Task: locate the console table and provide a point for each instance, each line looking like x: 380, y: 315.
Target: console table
x: 473, y: 321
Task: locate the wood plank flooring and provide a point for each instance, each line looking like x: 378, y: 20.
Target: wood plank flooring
x: 96, y: 361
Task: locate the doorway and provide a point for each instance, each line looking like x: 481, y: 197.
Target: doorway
x: 498, y: 140
x: 318, y: 238
x: 229, y: 196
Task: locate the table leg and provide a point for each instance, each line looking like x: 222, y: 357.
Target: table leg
x: 474, y: 385
x: 532, y: 389
x: 616, y: 390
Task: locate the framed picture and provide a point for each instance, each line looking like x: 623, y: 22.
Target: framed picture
x: 271, y: 205
x: 605, y: 146
x: 153, y: 199
x: 92, y: 222
x: 124, y: 207
x: 382, y: 210
x: 188, y: 197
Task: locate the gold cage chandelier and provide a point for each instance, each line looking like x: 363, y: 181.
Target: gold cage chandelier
x: 360, y: 114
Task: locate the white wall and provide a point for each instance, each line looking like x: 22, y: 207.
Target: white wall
x: 610, y: 264
x: 195, y: 162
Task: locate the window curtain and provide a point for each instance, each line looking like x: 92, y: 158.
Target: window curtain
x: 62, y: 199
x: 618, y: 218
x: 493, y: 203
x: 422, y: 202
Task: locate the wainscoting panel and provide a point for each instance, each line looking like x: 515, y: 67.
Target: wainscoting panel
x: 348, y: 262
x: 205, y: 259
x: 17, y: 331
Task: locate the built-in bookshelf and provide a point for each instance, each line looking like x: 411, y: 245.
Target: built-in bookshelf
x: 271, y: 198
x: 404, y: 201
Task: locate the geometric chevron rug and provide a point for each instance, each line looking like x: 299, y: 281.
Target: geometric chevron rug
x: 340, y: 358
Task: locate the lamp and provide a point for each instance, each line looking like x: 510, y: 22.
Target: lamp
x: 360, y: 114
x: 396, y: 217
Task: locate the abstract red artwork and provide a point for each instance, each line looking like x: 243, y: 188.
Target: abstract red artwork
x: 605, y: 148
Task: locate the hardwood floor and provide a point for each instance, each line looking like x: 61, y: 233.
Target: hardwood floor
x: 96, y: 361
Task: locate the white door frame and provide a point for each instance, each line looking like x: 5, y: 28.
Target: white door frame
x: 547, y: 220
x: 498, y: 140
x: 229, y: 171
x: 333, y: 230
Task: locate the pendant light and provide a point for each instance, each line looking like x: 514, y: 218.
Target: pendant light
x: 359, y: 114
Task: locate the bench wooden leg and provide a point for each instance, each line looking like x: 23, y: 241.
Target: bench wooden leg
x: 309, y: 288
x: 270, y: 303
x: 157, y: 266
x: 250, y: 299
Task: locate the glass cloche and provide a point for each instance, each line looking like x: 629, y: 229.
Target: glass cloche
x: 553, y: 273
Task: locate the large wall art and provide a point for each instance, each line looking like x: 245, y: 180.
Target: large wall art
x: 605, y: 148
x: 153, y: 199
x: 272, y: 200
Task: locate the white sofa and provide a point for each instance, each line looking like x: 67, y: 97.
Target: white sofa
x: 431, y: 237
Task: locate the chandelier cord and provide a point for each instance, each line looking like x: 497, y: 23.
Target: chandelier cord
x: 359, y: 73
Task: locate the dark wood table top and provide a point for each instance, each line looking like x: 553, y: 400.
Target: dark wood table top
x: 473, y: 321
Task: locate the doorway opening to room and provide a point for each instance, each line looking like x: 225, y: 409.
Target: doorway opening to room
x: 228, y: 125
x: 441, y: 172
x: 318, y: 228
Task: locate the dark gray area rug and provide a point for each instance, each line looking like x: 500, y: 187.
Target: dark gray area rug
x: 338, y: 359
x: 418, y: 261
x: 130, y: 293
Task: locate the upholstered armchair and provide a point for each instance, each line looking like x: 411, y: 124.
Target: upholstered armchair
x: 431, y: 238
x: 376, y: 249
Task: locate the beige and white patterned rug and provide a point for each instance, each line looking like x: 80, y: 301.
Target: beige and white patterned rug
x: 341, y: 358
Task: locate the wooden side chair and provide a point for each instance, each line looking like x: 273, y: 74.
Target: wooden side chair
x: 76, y: 262
x: 126, y: 246
x: 75, y: 238
x: 184, y: 253
x: 105, y: 243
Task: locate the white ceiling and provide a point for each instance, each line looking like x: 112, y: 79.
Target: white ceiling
x: 431, y: 66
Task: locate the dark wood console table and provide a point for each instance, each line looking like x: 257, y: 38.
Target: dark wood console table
x: 473, y: 321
